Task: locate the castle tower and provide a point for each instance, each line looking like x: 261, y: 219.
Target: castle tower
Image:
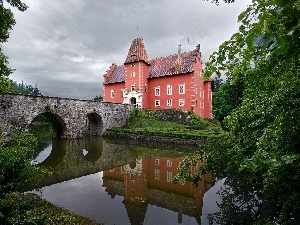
x: 136, y: 74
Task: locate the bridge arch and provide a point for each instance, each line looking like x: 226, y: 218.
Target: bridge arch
x: 58, y: 124
x: 94, y: 124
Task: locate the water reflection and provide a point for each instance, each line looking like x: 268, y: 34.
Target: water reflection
x: 119, y: 183
x: 150, y: 181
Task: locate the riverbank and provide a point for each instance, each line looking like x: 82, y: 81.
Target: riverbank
x: 31, y: 209
x: 161, y: 140
x: 169, y: 127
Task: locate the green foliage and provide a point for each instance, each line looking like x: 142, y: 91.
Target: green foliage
x: 15, y: 210
x: 264, y: 123
x: 16, y: 172
x: 30, y: 209
x: 153, y: 123
x: 24, y: 89
x: 226, y: 98
x: 189, y: 169
x: 98, y: 98
x: 7, y: 23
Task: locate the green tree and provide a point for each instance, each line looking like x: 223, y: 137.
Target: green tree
x: 7, y: 22
x: 265, y: 126
x: 98, y: 99
x: 23, y: 88
x: 226, y: 97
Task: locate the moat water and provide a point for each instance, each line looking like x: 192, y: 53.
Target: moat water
x: 117, y: 182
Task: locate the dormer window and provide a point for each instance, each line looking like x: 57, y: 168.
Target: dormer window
x: 132, y: 65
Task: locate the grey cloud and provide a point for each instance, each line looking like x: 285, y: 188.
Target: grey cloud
x: 66, y: 46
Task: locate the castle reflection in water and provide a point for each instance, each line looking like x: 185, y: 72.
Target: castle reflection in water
x: 149, y: 180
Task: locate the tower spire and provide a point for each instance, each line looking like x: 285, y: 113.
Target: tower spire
x: 179, y: 50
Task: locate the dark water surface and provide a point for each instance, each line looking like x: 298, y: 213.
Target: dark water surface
x: 115, y: 182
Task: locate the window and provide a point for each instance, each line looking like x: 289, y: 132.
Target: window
x: 203, y: 105
x: 169, y: 177
x: 157, y: 91
x: 169, y: 102
x: 181, y: 102
x: 156, y: 161
x: 169, y: 89
x: 196, y: 89
x: 200, y: 91
x: 156, y: 174
x: 133, y: 74
x: 181, y: 88
x: 169, y: 163
x: 132, y: 177
x: 133, y: 87
x: 112, y: 93
x: 157, y: 102
x: 132, y: 65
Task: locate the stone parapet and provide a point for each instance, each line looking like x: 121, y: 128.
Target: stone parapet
x: 70, y: 118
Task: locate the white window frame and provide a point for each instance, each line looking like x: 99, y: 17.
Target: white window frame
x: 169, y: 176
x: 157, y: 103
x: 181, y: 89
x: 112, y: 93
x: 133, y: 74
x: 169, y: 163
x: 181, y: 102
x: 157, y: 91
x: 156, y: 174
x: 156, y: 162
x: 169, y: 89
x: 169, y: 102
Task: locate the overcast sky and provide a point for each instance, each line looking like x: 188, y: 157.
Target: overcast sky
x: 67, y: 46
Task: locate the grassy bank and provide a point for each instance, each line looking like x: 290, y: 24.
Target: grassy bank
x: 172, y: 123
x: 31, y: 209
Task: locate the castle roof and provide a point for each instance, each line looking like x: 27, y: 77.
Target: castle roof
x: 170, y: 65
x: 159, y: 67
x: 137, y: 51
x: 115, y: 74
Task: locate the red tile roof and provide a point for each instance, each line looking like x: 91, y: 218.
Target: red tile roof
x: 137, y: 51
x: 158, y: 67
x: 170, y: 65
x: 115, y: 74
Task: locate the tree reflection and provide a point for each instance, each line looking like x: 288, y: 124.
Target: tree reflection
x: 242, y: 200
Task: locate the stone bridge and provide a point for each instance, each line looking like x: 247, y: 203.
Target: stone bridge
x: 70, y: 118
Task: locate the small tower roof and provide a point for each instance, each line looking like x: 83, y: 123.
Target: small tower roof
x: 137, y: 51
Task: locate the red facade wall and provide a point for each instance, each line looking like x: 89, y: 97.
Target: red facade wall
x: 174, y: 81
x: 117, y: 87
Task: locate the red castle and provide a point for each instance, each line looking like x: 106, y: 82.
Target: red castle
x: 173, y: 81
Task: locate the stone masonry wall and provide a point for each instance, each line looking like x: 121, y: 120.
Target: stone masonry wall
x: 71, y: 118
